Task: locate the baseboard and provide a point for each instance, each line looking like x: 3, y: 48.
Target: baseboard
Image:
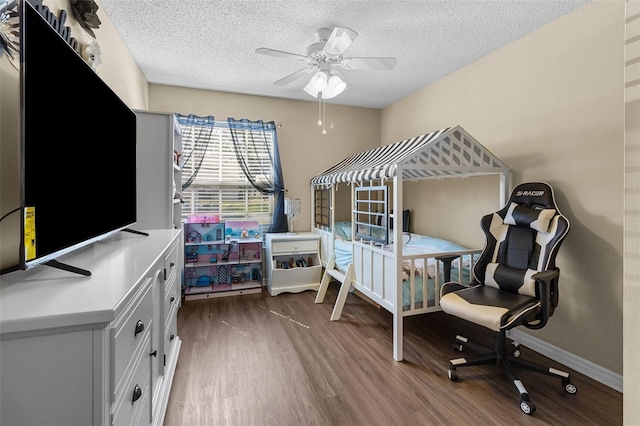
x: 582, y: 366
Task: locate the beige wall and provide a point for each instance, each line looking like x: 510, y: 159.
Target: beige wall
x: 118, y: 69
x: 304, y: 150
x: 551, y: 106
x: 632, y: 216
x: 9, y: 162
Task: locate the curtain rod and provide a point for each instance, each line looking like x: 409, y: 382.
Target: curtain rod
x: 207, y: 120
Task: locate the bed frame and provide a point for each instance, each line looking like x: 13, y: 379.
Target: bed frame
x: 375, y: 272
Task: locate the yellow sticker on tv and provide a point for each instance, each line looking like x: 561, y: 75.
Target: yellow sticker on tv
x: 30, y: 233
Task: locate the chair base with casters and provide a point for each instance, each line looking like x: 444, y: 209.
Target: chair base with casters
x: 515, y: 283
x: 505, y: 355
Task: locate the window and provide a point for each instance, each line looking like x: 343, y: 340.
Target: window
x: 322, y: 206
x: 220, y: 186
x: 371, y: 213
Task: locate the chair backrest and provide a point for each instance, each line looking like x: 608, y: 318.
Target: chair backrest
x: 523, y: 238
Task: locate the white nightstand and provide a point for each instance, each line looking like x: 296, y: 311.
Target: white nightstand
x: 293, y: 262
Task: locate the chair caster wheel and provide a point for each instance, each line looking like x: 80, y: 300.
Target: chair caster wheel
x: 453, y: 375
x: 527, y: 407
x: 570, y: 387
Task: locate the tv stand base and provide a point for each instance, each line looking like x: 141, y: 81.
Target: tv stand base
x: 68, y: 268
x: 133, y: 231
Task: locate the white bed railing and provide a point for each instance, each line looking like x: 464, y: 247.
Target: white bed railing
x: 376, y: 274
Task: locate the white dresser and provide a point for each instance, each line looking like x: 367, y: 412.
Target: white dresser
x: 293, y: 262
x: 96, y: 350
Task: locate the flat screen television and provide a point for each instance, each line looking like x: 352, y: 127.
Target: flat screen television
x: 78, y: 149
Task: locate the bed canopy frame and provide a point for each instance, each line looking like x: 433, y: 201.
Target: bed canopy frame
x: 447, y: 153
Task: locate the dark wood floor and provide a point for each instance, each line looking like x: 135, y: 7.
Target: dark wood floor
x: 261, y: 360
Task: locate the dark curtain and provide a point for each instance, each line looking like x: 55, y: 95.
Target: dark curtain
x: 250, y: 138
x: 201, y: 127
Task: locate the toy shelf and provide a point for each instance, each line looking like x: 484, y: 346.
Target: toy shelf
x: 222, y: 259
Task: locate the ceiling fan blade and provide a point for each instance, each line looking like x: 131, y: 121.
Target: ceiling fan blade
x: 279, y: 53
x: 339, y: 40
x: 368, y: 63
x: 293, y: 77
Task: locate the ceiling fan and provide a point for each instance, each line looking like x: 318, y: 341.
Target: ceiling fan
x: 325, y: 58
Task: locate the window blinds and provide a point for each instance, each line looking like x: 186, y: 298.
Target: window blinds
x: 220, y: 187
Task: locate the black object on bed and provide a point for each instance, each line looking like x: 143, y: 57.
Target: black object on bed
x: 405, y: 220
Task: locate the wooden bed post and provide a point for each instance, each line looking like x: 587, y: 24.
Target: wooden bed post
x: 312, y: 210
x: 398, y: 334
x: 332, y: 210
x: 353, y: 209
x: 504, y: 188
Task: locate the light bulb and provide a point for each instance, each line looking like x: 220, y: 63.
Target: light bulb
x: 320, y: 80
x: 335, y: 86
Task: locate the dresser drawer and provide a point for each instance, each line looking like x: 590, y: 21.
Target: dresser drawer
x: 133, y: 404
x: 171, y: 261
x: 129, y: 331
x: 171, y: 297
x: 171, y: 332
x: 295, y: 246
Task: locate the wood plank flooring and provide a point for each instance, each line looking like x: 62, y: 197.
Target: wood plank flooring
x: 262, y: 360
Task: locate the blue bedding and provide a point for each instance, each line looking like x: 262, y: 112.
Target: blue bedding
x: 342, y: 250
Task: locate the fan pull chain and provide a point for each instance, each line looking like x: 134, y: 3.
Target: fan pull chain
x: 324, y: 103
x: 319, y: 108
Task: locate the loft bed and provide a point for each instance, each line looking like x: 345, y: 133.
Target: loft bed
x: 360, y: 252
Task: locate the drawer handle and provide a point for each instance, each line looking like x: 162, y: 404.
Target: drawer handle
x: 172, y: 336
x: 137, y: 393
x: 172, y: 298
x: 139, y: 327
x: 154, y: 353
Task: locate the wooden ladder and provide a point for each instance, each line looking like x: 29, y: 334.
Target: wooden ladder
x: 345, y: 279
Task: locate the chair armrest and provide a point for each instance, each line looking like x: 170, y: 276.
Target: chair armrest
x: 546, y: 288
x: 447, y: 265
x: 547, y: 275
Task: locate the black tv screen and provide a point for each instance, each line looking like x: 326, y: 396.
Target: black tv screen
x: 78, y: 148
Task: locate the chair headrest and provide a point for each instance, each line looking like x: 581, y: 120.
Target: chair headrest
x: 537, y: 195
x: 531, y: 205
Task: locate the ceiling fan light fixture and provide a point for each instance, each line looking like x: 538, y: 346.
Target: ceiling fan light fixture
x: 335, y: 86
x: 318, y: 83
x: 323, y: 57
x: 319, y: 80
x: 311, y: 90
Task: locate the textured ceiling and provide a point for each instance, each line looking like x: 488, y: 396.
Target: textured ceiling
x: 211, y: 44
